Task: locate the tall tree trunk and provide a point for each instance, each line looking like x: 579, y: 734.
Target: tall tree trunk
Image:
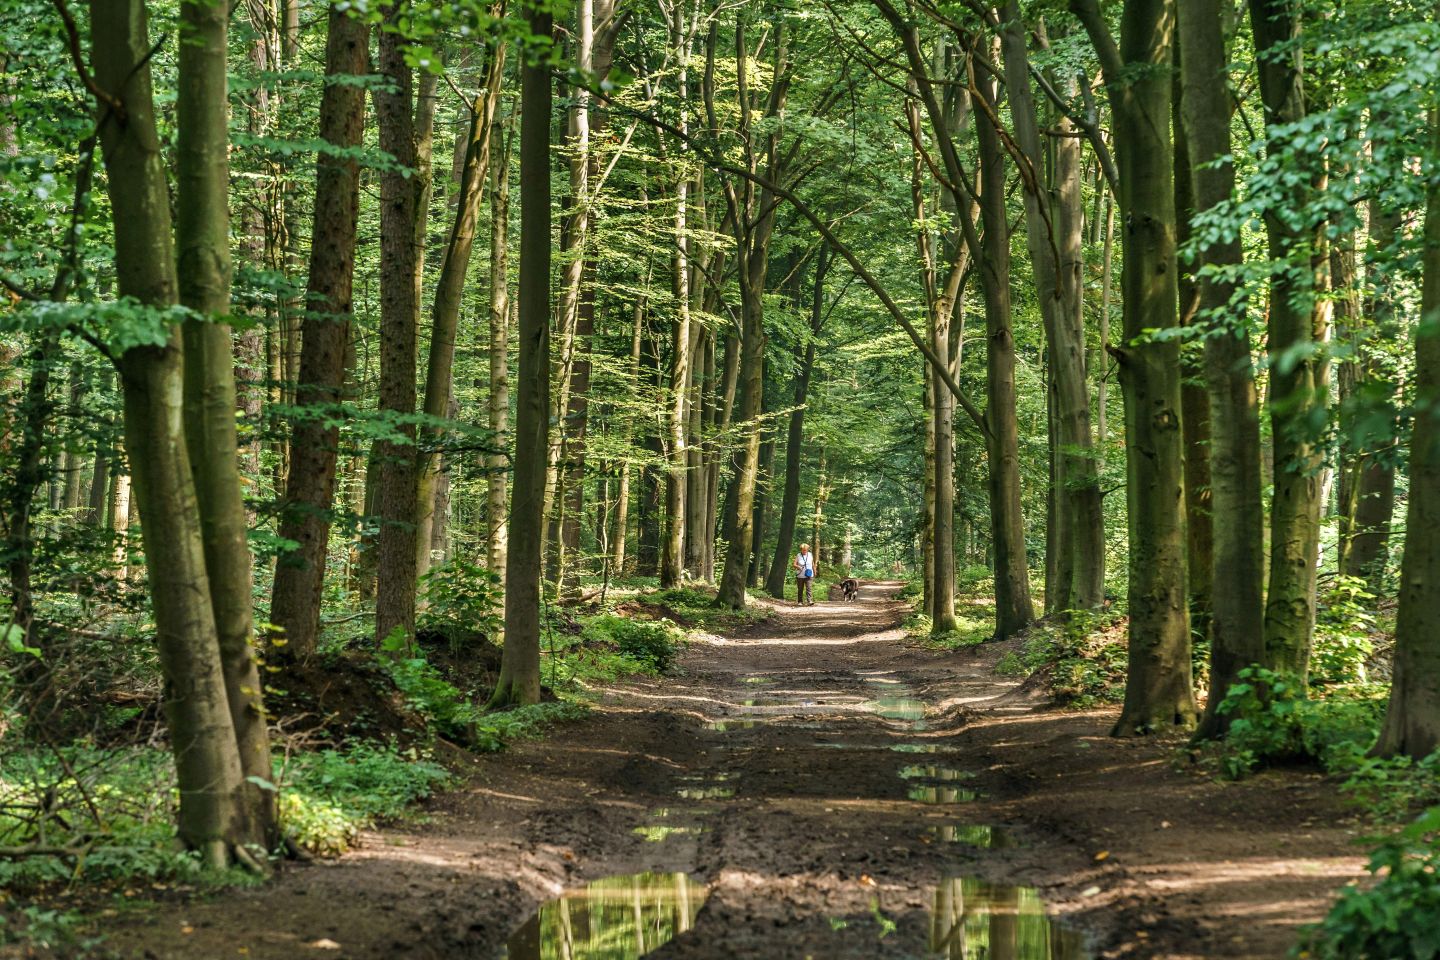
x: 202, y: 733
x: 1014, y: 609
x: 1158, y: 689
x: 1368, y: 500
x: 754, y: 219
x: 310, y: 484
x: 1298, y: 386
x: 202, y: 236
x: 498, y: 462
x: 519, y: 681
x: 1237, y: 609
x: 1194, y: 401
x: 622, y: 484
x: 1412, y: 720
x: 402, y: 135
x: 795, y: 443
x: 1053, y: 223
x: 449, y: 292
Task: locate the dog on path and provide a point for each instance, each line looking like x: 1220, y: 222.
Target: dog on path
x: 850, y: 588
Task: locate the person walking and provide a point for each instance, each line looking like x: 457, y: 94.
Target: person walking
x: 804, y: 576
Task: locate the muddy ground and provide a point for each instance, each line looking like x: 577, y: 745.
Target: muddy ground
x: 794, y: 811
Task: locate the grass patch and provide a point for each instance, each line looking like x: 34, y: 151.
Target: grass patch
x: 1082, y: 661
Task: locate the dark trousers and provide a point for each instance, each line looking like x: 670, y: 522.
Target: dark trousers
x: 803, y: 594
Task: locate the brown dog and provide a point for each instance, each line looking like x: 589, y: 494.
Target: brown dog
x: 850, y: 588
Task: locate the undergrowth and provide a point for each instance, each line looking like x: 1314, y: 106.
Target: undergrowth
x: 1083, y: 659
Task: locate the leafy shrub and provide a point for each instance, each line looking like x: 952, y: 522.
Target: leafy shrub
x: 331, y: 795
x: 463, y: 594
x: 1394, y: 919
x: 1085, y: 659
x: 1274, y: 722
x: 1343, y: 625
x: 651, y: 643
x: 445, y: 709
x: 494, y: 730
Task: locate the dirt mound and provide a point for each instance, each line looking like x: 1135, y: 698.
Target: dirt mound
x: 467, y: 658
x: 347, y: 695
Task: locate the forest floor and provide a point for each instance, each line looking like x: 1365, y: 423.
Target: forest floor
x: 768, y: 769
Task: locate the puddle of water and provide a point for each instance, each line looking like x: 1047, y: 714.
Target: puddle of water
x: 721, y: 726
x: 935, y: 795
x: 971, y: 835
x: 924, y: 771
x: 617, y: 918
x: 757, y: 679
x: 705, y: 793
x: 899, y: 708
x: 916, y: 748
x: 659, y: 832
x: 971, y: 919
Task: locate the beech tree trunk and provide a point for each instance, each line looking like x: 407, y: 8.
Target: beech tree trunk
x: 1298, y: 383
x: 754, y: 225
x: 1014, y: 608
x: 1158, y: 685
x: 202, y: 733
x: 498, y: 462
x: 1237, y: 606
x: 519, y: 681
x: 1412, y: 720
x: 1053, y: 224
x: 202, y: 235
x: 310, y: 483
x: 449, y: 292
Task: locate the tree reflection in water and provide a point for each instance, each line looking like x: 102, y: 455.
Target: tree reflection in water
x: 616, y: 918
x: 974, y: 920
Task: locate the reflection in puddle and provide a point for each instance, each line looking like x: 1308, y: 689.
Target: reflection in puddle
x: 972, y: 920
x: 899, y: 708
x: 916, y: 747
x: 941, y: 795
x: 720, y: 726
x: 922, y: 771
x: 657, y: 832
x: 706, y: 793
x: 972, y: 835
x: 617, y: 918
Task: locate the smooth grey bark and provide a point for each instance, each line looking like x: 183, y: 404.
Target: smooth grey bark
x: 202, y: 733
x: 1158, y: 688
x: 1237, y: 605
x: 202, y: 238
x: 1412, y: 720
x: 519, y: 680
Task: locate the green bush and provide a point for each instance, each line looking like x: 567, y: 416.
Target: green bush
x: 653, y: 644
x: 1274, y: 722
x: 1085, y: 659
x: 329, y: 796
x: 1343, y: 625
x: 1393, y: 919
x: 459, y: 593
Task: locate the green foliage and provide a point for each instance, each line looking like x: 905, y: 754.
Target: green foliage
x: 1344, y: 622
x: 327, y: 797
x: 465, y: 594
x: 1084, y: 659
x: 494, y: 730
x: 651, y: 643
x: 1274, y: 722
x: 1393, y: 918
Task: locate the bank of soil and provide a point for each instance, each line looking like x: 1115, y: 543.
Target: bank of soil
x: 792, y: 807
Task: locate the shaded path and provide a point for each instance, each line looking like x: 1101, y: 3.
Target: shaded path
x: 771, y: 769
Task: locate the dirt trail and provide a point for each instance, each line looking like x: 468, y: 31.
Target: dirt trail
x: 826, y: 780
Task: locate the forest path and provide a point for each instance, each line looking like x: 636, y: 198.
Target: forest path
x: 841, y: 793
